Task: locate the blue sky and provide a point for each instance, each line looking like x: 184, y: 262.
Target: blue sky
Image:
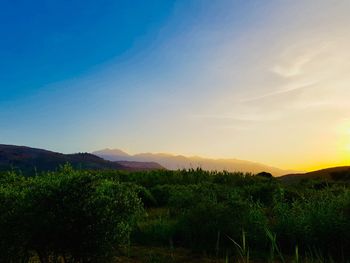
x: 48, y: 41
x: 212, y: 78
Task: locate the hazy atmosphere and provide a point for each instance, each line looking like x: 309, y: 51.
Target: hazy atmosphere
x: 175, y: 131
x: 265, y: 81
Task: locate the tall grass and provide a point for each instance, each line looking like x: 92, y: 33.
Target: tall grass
x: 273, y: 246
x: 242, y: 249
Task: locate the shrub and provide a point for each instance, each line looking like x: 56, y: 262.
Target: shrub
x: 68, y: 214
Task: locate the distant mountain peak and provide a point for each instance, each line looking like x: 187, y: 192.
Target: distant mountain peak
x: 115, y: 151
x: 174, y: 162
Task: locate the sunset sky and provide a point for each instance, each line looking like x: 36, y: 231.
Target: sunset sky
x: 266, y: 81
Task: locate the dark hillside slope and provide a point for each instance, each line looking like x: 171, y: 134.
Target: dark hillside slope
x: 28, y: 160
x: 341, y: 173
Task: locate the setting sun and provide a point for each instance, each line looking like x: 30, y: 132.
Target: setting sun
x: 343, y: 133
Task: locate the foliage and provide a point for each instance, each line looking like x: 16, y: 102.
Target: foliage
x: 68, y: 214
x: 81, y: 216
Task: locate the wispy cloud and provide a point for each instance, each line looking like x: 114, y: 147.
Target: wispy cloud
x: 286, y: 89
x: 292, y: 63
x: 293, y: 69
x: 240, y: 117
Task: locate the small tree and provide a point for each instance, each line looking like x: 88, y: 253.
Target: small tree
x: 265, y: 175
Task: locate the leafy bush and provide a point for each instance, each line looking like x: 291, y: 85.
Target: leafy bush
x: 67, y: 214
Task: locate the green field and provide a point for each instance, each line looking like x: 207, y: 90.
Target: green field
x: 171, y: 216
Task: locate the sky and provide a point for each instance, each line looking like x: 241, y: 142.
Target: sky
x: 266, y: 81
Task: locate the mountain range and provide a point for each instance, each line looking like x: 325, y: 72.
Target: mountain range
x: 174, y: 162
x: 31, y: 160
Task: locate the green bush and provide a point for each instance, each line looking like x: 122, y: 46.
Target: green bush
x: 68, y: 214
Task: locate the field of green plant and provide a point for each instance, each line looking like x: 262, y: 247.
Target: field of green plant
x: 115, y: 216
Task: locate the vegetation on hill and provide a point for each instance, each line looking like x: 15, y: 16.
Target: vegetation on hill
x: 31, y: 160
x: 100, y: 216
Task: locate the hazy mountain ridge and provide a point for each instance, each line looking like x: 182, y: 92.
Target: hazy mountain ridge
x: 174, y: 162
x: 29, y: 160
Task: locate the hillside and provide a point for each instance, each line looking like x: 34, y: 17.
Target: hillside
x: 334, y: 173
x: 28, y: 160
x: 174, y: 162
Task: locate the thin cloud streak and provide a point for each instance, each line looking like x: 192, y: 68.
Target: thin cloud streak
x: 244, y: 118
x: 289, y: 88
